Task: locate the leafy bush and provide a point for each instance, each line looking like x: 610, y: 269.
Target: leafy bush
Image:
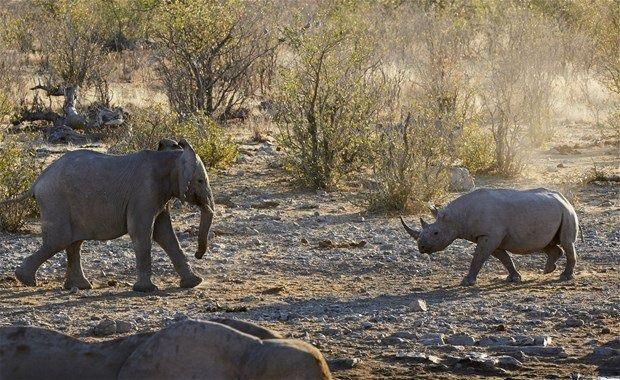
x: 146, y: 127
x: 411, y: 164
x: 476, y: 148
x: 18, y: 170
x: 330, y: 95
x: 206, y: 53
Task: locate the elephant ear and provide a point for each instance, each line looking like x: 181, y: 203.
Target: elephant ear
x: 186, y: 165
x: 168, y: 144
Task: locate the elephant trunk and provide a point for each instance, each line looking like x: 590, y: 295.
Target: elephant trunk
x: 206, y: 218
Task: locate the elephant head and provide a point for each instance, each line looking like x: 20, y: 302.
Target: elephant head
x: 192, y: 186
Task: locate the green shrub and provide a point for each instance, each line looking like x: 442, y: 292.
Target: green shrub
x: 476, y: 148
x: 18, y: 170
x: 411, y: 164
x: 146, y: 127
x: 330, y: 96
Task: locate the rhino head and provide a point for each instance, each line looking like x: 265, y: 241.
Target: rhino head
x: 433, y: 237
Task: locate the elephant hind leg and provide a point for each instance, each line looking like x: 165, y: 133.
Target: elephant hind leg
x: 554, y: 252
x: 26, y: 272
x: 75, y: 274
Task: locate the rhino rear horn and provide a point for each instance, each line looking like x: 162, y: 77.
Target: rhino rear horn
x: 413, y: 232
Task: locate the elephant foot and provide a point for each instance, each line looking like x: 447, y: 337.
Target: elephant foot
x: 80, y: 283
x: 468, y: 281
x: 513, y: 278
x: 190, y: 281
x: 550, y: 267
x: 144, y: 286
x: 25, y: 276
x: 565, y: 276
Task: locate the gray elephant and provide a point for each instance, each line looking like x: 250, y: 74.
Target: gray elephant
x: 86, y: 195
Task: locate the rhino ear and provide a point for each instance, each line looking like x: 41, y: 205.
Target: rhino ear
x: 423, y: 223
x: 434, y: 210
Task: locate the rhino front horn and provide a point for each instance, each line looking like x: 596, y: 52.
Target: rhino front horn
x: 413, y: 232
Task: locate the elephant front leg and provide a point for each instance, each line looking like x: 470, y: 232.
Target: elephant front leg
x: 141, y: 234
x: 484, y: 248
x: 164, y: 235
x: 75, y: 274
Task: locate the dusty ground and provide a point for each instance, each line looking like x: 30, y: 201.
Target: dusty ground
x: 352, y: 300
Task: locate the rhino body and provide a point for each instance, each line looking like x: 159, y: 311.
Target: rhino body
x: 501, y: 221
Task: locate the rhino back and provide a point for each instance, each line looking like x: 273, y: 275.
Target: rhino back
x: 529, y: 220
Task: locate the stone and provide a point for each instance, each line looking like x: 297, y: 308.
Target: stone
x: 342, y: 363
x: 404, y: 335
x: 531, y: 350
x: 574, y: 322
x: 418, y: 357
x: 432, y: 340
x: 491, y: 341
x: 460, y: 340
x: 542, y: 340
x: 418, y: 305
x: 123, y: 327
x: 105, y: 327
x: 508, y: 362
x: 460, y: 180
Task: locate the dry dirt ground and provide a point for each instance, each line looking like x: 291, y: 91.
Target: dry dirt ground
x: 318, y: 267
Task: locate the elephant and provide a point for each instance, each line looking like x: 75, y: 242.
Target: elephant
x: 87, y: 195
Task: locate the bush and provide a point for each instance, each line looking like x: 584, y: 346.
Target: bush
x: 206, y: 53
x: 411, y: 164
x: 146, y: 127
x: 18, y: 170
x: 476, y: 148
x: 330, y: 95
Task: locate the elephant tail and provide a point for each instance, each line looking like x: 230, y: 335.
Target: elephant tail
x: 21, y: 197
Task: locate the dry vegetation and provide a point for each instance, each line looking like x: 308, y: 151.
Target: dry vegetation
x: 375, y: 101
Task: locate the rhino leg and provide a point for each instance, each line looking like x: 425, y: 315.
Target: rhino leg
x: 513, y: 274
x: 553, y: 252
x: 485, y: 247
x: 571, y: 259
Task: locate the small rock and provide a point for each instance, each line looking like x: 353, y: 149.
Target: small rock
x: 367, y: 325
x: 432, y: 340
x: 574, y: 322
x: 106, y: 327
x: 418, y: 305
x: 123, y: 327
x: 304, y: 241
x: 460, y: 340
x: 74, y: 289
x: 343, y: 364
x: 508, y: 362
x: 418, y: 357
x: 501, y: 327
x: 542, y: 340
x: 326, y: 244
x: 404, y: 335
x: 605, y: 330
x: 492, y: 341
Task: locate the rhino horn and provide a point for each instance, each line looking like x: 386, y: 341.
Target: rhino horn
x: 423, y: 223
x: 413, y: 232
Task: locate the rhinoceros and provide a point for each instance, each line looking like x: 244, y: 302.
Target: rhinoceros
x: 501, y: 221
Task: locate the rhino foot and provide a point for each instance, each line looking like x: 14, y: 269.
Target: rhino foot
x: 566, y: 276
x: 513, y: 278
x: 468, y: 281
